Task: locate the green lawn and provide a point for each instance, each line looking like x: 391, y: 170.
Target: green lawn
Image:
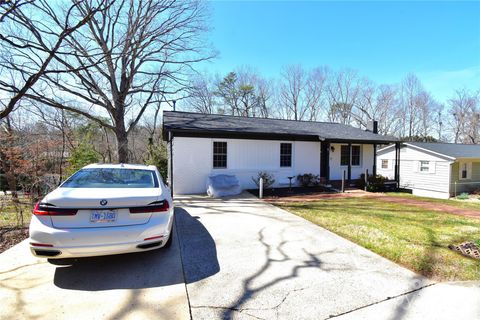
x: 454, y: 202
x: 413, y: 237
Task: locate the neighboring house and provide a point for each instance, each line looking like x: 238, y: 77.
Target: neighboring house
x: 201, y: 145
x: 438, y: 170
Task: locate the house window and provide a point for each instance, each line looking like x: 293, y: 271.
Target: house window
x: 219, y: 155
x: 424, y: 166
x: 285, y: 154
x: 465, y: 169
x: 355, y: 155
x: 344, y: 156
x: 384, y: 163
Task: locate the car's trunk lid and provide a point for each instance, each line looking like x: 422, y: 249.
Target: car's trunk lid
x: 101, y: 207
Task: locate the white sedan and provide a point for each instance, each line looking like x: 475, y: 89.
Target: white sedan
x: 103, y: 209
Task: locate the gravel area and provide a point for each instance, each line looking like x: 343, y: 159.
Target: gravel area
x: 11, y: 236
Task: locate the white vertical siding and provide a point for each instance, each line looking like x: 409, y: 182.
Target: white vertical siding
x: 307, y: 157
x: 251, y: 154
x: 366, y: 162
x: 192, y: 162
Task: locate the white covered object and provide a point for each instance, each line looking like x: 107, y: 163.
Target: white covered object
x: 223, y: 185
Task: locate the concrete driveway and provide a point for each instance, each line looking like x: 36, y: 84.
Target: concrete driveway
x: 147, y: 285
x: 265, y: 263
x: 236, y: 258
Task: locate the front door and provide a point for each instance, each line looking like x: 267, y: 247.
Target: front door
x: 325, y: 160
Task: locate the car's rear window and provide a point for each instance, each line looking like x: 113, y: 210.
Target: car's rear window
x: 112, y: 178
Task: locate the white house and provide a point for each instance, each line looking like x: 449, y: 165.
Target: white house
x: 438, y: 170
x: 201, y: 145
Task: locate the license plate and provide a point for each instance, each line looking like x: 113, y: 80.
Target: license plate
x: 103, y: 216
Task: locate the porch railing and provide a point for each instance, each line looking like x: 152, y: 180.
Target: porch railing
x: 470, y: 186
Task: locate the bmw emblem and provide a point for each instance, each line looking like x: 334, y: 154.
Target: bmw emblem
x: 103, y: 202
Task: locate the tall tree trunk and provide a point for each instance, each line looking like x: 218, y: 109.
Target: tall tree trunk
x: 121, y: 133
x: 122, y: 145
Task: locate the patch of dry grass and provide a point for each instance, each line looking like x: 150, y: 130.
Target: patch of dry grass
x: 15, y: 215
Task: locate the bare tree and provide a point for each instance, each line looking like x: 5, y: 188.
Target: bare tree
x: 129, y: 57
x: 9, y: 6
x: 411, y: 103
x: 343, y: 90
x: 366, y: 106
x: 388, y: 112
x: 474, y: 132
x: 378, y: 103
x: 439, y: 123
x: 428, y: 109
x: 30, y: 42
x: 62, y: 122
x: 292, y: 88
x: 264, y: 89
x: 465, y: 120
x: 314, y: 92
x: 201, y: 94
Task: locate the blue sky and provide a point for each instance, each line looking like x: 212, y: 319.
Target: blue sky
x: 382, y: 40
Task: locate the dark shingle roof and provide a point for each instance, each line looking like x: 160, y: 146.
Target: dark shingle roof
x: 212, y: 123
x: 453, y: 150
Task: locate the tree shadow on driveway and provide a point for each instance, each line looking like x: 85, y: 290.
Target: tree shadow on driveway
x: 198, y: 250
x: 163, y: 267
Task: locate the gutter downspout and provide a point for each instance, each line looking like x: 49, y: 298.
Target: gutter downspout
x: 397, y: 163
x: 170, y: 141
x: 451, y: 185
x: 374, y: 169
x: 349, y: 163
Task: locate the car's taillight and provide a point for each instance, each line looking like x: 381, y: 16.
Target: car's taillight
x: 44, y: 210
x: 41, y: 244
x: 152, y: 238
x: 157, y: 206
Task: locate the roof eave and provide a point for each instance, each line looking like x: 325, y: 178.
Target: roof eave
x: 366, y: 141
x: 431, y: 151
x: 264, y: 136
x: 466, y: 158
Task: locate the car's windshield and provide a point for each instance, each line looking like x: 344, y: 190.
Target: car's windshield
x: 112, y: 178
